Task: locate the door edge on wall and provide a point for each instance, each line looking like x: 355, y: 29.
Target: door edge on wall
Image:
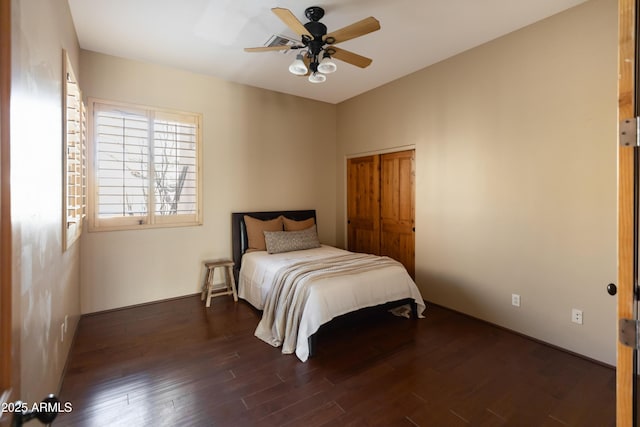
x: 381, y: 151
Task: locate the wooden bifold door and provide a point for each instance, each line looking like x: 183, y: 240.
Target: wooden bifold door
x: 381, y: 206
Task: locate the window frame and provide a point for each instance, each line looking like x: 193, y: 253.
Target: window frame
x: 150, y: 219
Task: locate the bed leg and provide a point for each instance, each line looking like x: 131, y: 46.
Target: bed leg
x: 414, y: 309
x: 312, y: 345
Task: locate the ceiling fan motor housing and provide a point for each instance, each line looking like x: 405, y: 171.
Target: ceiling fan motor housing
x: 317, y: 29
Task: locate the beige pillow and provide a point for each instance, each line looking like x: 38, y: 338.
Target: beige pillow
x: 256, y: 229
x: 292, y: 225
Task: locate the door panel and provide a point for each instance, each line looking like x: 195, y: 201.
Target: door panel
x: 398, y: 207
x: 7, y: 383
x: 627, y: 181
x: 363, y: 198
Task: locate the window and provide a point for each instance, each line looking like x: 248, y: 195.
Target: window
x: 145, y: 167
x: 75, y: 158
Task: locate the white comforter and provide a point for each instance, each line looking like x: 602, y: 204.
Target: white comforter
x: 328, y: 298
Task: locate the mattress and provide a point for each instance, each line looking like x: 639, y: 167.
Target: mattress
x: 327, y: 297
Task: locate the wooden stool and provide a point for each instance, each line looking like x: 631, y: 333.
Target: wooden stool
x: 229, y: 280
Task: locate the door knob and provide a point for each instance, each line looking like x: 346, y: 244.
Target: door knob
x: 612, y: 289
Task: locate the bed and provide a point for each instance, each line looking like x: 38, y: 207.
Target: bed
x: 303, y: 284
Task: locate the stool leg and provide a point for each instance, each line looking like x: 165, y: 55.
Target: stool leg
x: 209, y: 287
x: 227, y: 284
x: 204, y: 285
x: 233, y: 283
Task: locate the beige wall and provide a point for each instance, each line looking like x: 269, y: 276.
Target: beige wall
x: 262, y: 151
x: 46, y: 280
x: 515, y: 175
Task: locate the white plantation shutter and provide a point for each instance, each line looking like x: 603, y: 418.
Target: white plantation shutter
x: 75, y: 158
x: 138, y: 152
x: 175, y: 165
x: 122, y: 159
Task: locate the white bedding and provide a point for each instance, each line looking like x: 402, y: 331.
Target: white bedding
x: 328, y: 298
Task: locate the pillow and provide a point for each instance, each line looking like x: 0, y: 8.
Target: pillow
x: 256, y: 228
x: 293, y: 225
x: 286, y: 241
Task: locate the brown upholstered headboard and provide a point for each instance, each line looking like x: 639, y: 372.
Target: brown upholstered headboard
x: 239, y: 231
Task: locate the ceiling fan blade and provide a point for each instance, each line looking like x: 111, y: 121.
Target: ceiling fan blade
x: 266, y: 48
x: 350, y: 57
x: 292, y: 22
x: 357, y: 29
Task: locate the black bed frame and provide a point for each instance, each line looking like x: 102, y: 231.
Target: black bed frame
x: 239, y: 245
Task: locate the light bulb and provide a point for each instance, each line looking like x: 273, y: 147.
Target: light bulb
x: 317, y: 78
x: 297, y: 67
x: 327, y: 66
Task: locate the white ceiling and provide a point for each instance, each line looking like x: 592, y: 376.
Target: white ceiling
x: 208, y: 36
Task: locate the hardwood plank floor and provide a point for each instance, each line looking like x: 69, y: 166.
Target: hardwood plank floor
x: 177, y: 363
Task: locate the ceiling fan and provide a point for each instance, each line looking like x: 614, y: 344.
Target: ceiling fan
x: 315, y: 39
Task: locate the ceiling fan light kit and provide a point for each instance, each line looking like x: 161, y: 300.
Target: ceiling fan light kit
x: 317, y: 61
x: 317, y: 78
x: 327, y: 66
x: 297, y: 67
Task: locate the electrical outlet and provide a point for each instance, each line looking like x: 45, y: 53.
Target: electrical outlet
x: 576, y: 316
x: 62, y: 332
x: 66, y: 323
x: 515, y: 300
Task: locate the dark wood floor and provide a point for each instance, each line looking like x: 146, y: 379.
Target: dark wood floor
x: 177, y: 363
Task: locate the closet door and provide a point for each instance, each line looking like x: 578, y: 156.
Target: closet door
x: 381, y: 206
x: 363, y: 204
x: 397, y: 208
